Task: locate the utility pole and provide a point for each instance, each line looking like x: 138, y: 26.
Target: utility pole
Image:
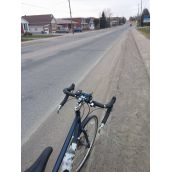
x: 141, y: 14
x: 99, y: 22
x: 99, y: 19
x: 138, y: 16
x: 71, y: 16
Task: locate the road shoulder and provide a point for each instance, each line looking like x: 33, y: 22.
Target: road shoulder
x: 123, y: 145
x: 143, y: 45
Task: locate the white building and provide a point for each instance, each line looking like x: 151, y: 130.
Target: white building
x: 91, y: 24
x: 45, y: 23
x: 24, y: 26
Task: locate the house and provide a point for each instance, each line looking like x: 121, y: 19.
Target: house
x: 41, y: 23
x: 78, y: 23
x: 24, y: 26
x: 90, y: 21
x: 81, y: 23
x: 65, y: 24
x: 115, y: 21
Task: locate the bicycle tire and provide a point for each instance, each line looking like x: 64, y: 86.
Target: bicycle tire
x: 85, y: 123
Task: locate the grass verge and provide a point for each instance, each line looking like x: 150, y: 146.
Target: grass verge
x: 145, y: 31
x: 33, y: 37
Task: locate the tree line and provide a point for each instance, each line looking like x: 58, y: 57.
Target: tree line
x: 105, y: 20
x: 140, y: 18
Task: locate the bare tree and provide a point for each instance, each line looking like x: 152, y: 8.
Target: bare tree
x: 108, y: 14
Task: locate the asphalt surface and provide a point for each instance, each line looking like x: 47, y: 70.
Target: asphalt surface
x: 118, y: 66
x: 49, y: 65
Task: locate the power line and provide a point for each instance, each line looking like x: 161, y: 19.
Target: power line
x: 31, y: 5
x: 37, y: 6
x: 61, y: 2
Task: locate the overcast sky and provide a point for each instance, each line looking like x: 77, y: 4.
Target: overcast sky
x: 82, y: 8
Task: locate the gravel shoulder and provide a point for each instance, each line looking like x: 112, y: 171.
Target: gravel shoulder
x: 124, y: 144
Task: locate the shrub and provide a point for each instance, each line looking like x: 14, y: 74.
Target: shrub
x: 27, y: 34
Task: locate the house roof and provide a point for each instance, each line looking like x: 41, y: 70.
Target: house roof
x: 24, y: 20
x: 115, y: 18
x: 76, y: 19
x: 81, y: 20
x: 39, y: 19
x: 65, y: 21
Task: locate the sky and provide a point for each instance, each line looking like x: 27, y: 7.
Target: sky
x: 82, y: 8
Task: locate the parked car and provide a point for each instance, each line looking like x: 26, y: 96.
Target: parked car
x: 63, y: 30
x: 78, y: 29
x: 43, y: 32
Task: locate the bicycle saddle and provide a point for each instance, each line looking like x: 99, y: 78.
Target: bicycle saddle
x: 40, y: 164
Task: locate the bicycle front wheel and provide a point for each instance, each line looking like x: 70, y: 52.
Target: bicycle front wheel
x: 90, y: 126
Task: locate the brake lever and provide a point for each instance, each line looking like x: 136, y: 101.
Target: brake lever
x: 100, y: 127
x: 58, y: 110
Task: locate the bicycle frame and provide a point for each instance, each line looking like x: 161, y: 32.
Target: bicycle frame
x: 74, y: 140
x: 74, y: 131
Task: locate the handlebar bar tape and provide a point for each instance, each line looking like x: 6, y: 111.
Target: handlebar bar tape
x: 67, y: 95
x: 72, y: 87
x: 68, y: 90
x: 64, y: 100
x: 109, y: 106
x: 98, y: 104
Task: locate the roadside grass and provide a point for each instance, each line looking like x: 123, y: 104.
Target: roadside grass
x: 145, y: 31
x: 33, y: 37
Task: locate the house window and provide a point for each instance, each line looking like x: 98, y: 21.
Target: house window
x: 25, y: 27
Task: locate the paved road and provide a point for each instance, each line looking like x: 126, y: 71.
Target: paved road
x: 49, y: 65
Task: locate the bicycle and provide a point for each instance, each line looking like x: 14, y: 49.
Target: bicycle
x: 78, y: 143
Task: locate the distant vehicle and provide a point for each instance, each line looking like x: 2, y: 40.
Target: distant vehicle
x: 63, y: 30
x: 43, y: 32
x: 78, y: 29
